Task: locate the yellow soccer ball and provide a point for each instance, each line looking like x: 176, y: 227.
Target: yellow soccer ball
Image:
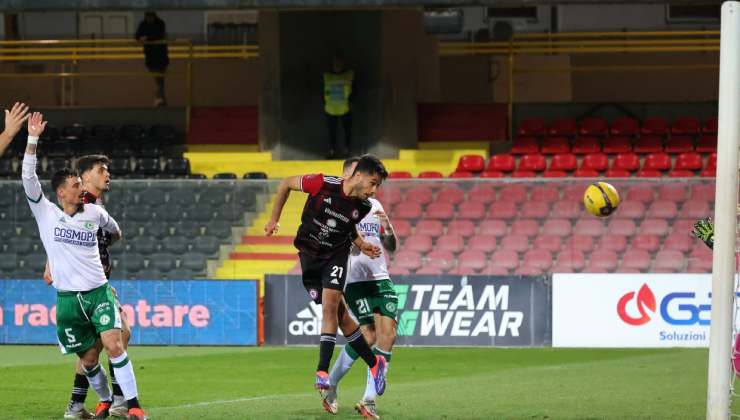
x: 601, y: 199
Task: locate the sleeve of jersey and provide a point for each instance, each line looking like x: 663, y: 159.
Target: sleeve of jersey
x: 312, y: 183
x: 31, y: 184
x: 108, y: 223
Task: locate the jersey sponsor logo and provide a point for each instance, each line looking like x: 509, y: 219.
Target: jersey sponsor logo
x: 331, y: 223
x: 327, y: 200
x: 341, y: 217
x: 309, y: 320
x: 369, y: 228
x: 75, y: 237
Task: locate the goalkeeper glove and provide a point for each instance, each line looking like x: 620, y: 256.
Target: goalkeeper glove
x: 704, y: 230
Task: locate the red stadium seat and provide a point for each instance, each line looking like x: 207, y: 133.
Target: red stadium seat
x: 400, y: 175
x: 555, y: 146
x: 641, y: 194
x: 695, y: 209
x: 574, y: 191
x: 590, y: 227
x: 431, y: 228
x: 538, y: 258
x: 513, y: 242
x: 567, y: 209
x: 707, y: 144
x: 703, y: 192
x: 596, y: 162
x: 563, y: 162
x: 465, y: 228
x: 535, y: 163
x: 625, y: 126
x: 712, y: 161
x: 677, y: 173
x: 430, y: 174
x: 471, y: 210
x: 461, y: 174
x: 649, y: 173
x: 689, y: 126
x: 586, y: 173
x: 571, y: 259
x: 438, y: 261
x: 567, y: 127
x: 631, y: 210
x: 402, y: 228
x: 418, y: 243
x: 710, y: 126
x: 516, y: 193
x: 583, y: 243
x: 657, y: 162
x: 649, y: 243
x: 657, y: 227
x: 389, y: 195
x: 532, y: 127
x: 594, y: 126
x: 688, y: 162
x: 440, y: 211
x: 475, y: 260
x: 679, y: 144
x: 626, y: 162
x: 535, y: 209
x: 648, y: 144
x: 451, y: 243
x: 503, y: 210
x: 408, y: 210
x: 528, y: 270
x: 562, y: 269
x: 554, y: 174
x: 655, y: 126
x: 708, y: 173
x: 663, y: 209
x: 526, y: 227
x: 501, y: 163
x: 546, y: 193
x: 452, y: 195
x: 464, y: 271
x: 470, y: 163
x: 612, y: 242
x: 616, y: 173
x: 602, y: 260
x: 407, y: 260
x: 635, y: 259
x: 523, y: 174
x: 669, y: 259
x: 550, y: 243
x: 492, y: 174
x: 421, y: 195
x: 492, y: 270
x: 524, y: 146
x: 623, y: 227
x: 586, y: 146
x: 679, y: 241
x: 557, y: 227
x: 505, y: 259
x: 398, y: 271
x: 497, y: 228
x: 484, y: 243
x: 617, y: 145
x: 683, y: 226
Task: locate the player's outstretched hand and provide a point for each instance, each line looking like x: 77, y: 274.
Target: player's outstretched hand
x: 271, y: 228
x: 36, y: 124
x: 370, y: 250
x: 704, y: 230
x: 14, y: 118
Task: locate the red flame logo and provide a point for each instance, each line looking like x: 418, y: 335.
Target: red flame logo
x: 645, y: 299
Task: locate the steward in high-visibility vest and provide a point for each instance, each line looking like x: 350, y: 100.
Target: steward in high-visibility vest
x: 337, y: 91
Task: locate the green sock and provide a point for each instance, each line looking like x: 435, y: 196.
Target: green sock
x: 385, y: 354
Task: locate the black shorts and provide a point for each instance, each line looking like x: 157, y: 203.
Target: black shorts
x: 320, y: 273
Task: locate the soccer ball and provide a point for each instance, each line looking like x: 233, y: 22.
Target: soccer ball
x: 601, y: 199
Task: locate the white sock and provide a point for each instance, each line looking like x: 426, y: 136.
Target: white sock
x: 341, y: 366
x: 370, y: 393
x: 124, y: 371
x: 99, y: 382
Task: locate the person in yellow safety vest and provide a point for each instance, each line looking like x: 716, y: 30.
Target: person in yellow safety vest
x: 338, y: 93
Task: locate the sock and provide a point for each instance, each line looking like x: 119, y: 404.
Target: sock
x: 125, y: 376
x: 342, y: 365
x: 114, y: 383
x: 326, y: 349
x: 358, y: 343
x: 99, y: 382
x: 370, y: 393
x: 385, y: 354
x: 79, y: 389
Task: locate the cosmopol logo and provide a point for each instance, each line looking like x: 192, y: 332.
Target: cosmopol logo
x: 645, y: 301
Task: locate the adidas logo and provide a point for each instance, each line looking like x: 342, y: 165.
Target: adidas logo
x: 308, y: 322
x: 327, y: 200
x: 334, y: 281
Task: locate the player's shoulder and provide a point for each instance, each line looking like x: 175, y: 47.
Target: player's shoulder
x: 330, y: 179
x: 93, y: 208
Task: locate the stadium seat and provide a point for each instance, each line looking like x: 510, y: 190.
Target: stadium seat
x: 688, y: 162
x: 603, y: 260
x: 557, y: 227
x: 594, y: 126
x: 657, y: 126
x: 658, y: 227
x: 407, y: 210
x: 418, y: 243
x: 535, y: 163
x: 583, y: 243
x: 648, y: 145
x: 130, y: 263
x: 516, y: 193
x: 555, y: 146
x: 626, y: 162
x: 430, y: 174
x: 595, y: 162
x: 586, y: 146
x: 389, y: 195
x: 526, y: 227
x: 492, y: 174
x: 501, y: 163
x: 483, y: 243
x: 7, y: 170
x: 567, y: 209
x: 515, y: 242
x: 673, y: 192
x: 695, y: 209
x: 475, y: 260
x: 21, y: 245
x: 437, y: 262
x: 527, y: 270
x: 431, y: 228
x: 451, y: 243
x: 440, y: 211
x: 532, y: 127
x: 636, y: 259
x: 523, y: 174
x: 535, y: 209
x: 402, y: 228
x: 688, y: 126
x: 707, y: 144
x: 645, y: 242
x: 406, y: 259
x: 571, y: 259
x: 679, y: 241
x: 640, y: 194
x: 617, y: 145
x: 554, y: 174
x: 492, y: 270
x: 585, y: 173
x: 142, y: 245
x: 544, y: 193
x: 470, y: 163
x: 648, y: 173
x: 396, y: 270
x: 710, y: 126
x: 505, y: 259
x: 400, y: 175
x: 591, y: 227
x: 8, y: 265
x: 613, y: 242
x: 452, y: 195
x: 708, y: 173
x: 657, y: 162
x: 421, y: 195
x: 550, y: 243
x: 625, y: 126
x: 663, y: 209
x: 471, y: 210
x: 677, y: 173
x: 221, y: 229
x: 461, y: 174
x: 567, y: 127
x: 465, y: 228
x: 497, y: 228
x: 225, y: 176
x: 563, y: 162
x: 538, y: 258
x: 193, y: 261
x: 525, y: 146
x: 254, y: 175
x: 669, y: 259
x: 207, y: 245
x: 703, y: 192
x: 177, y: 166
x: 503, y: 210
x: 711, y: 161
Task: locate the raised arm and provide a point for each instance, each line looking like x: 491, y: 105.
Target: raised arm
x: 289, y: 184
x: 31, y: 184
x: 13, y: 122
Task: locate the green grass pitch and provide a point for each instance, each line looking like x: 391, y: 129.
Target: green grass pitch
x: 424, y: 383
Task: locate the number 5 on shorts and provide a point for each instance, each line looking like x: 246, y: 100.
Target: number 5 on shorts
x: 70, y: 337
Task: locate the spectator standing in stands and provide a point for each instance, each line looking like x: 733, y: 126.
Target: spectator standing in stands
x: 153, y: 34
x: 338, y: 94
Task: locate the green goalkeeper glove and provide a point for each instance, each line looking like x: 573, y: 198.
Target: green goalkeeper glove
x: 704, y: 230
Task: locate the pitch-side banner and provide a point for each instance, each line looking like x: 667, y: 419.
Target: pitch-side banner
x: 631, y: 310
x: 180, y: 312
x: 433, y: 310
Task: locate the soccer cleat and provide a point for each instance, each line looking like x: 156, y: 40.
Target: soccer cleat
x: 378, y: 374
x: 367, y: 409
x: 136, y: 414
x: 329, y: 400
x: 119, y: 407
x: 76, y: 410
x: 102, y: 410
x: 322, y: 380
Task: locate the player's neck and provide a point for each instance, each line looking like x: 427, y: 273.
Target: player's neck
x: 98, y: 193
x: 347, y: 188
x: 70, y: 209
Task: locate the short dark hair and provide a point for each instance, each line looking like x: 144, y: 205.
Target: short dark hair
x: 60, y: 177
x: 349, y: 162
x: 87, y: 162
x: 371, y: 165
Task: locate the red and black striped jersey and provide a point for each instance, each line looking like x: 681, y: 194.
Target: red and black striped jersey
x: 104, y: 238
x: 329, y: 216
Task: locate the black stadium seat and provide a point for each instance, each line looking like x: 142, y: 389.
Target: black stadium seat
x: 147, y: 166
x: 177, y: 166
x: 6, y: 168
x: 133, y: 133
x: 255, y: 175
x: 161, y: 261
x: 120, y: 166
x: 225, y: 175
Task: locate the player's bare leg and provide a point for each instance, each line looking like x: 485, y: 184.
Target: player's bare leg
x: 119, y: 407
x: 97, y: 377
x: 124, y: 370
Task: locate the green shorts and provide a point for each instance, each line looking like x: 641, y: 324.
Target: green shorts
x: 366, y: 298
x: 82, y: 316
